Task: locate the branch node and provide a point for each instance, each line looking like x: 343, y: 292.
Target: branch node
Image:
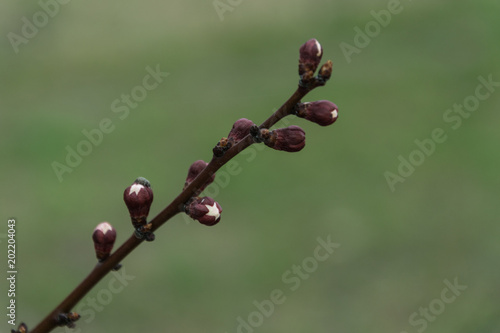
x: 21, y: 329
x: 255, y: 132
x: 144, y: 232
x: 67, y: 319
x: 117, y: 267
x: 222, y: 146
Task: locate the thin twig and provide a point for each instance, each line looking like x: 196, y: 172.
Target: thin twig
x: 176, y: 206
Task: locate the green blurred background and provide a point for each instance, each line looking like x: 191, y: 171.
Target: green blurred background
x: 396, y: 247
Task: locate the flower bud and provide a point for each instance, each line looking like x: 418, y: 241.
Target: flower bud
x: 291, y: 139
x: 194, y: 171
x: 241, y: 128
x: 310, y: 54
x: 205, y: 210
x: 104, y: 237
x: 321, y: 112
x: 138, y: 198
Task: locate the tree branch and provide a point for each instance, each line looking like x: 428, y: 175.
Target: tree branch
x: 52, y: 320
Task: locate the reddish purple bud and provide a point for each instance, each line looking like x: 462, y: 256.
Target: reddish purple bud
x: 310, y: 56
x: 291, y: 139
x: 138, y: 198
x: 241, y: 128
x: 194, y: 171
x: 321, y: 112
x: 104, y: 237
x: 205, y: 210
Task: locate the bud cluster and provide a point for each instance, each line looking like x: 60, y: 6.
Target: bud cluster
x: 205, y: 210
x: 310, y: 54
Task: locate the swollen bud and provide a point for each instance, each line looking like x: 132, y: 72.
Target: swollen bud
x: 241, y: 128
x: 310, y: 54
x: 291, y: 139
x: 194, y: 171
x: 321, y: 112
x: 205, y: 210
x: 104, y: 237
x: 138, y: 198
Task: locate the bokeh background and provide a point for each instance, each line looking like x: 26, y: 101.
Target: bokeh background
x: 396, y: 247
